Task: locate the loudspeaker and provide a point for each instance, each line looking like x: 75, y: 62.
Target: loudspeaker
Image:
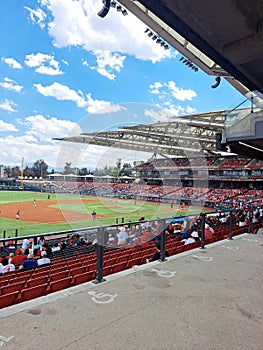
x: 106, y: 6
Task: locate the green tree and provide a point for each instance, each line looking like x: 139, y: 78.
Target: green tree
x: 40, y: 168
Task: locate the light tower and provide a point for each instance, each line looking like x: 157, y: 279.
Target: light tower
x: 22, y: 174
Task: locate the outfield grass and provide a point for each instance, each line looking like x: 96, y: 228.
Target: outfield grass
x: 107, y: 209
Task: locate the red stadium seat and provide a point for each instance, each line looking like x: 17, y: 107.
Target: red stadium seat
x: 77, y: 271
x: 10, y: 288
x: 37, y: 281
x: 84, y: 277
x: 59, y: 284
x: 8, y: 299
x: 58, y: 276
x: 33, y: 292
x: 119, y: 267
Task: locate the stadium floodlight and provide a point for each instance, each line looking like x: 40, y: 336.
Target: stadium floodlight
x: 106, y: 7
x: 146, y: 30
x: 119, y: 8
x: 154, y: 37
x: 113, y: 4
x: 158, y: 41
x: 150, y: 34
x: 124, y: 12
x: 166, y: 47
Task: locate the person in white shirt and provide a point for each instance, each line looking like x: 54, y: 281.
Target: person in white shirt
x: 193, y: 238
x: 43, y: 260
x: 122, y: 236
x: 6, y: 267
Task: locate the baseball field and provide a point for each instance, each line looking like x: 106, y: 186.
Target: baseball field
x: 34, y: 213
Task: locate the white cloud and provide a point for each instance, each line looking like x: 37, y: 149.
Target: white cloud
x: 179, y: 93
x: 7, y: 127
x: 76, y: 23
x: 12, y: 62
x: 8, y: 106
x: 162, y: 115
x: 64, y: 93
x: 37, y: 16
x: 108, y: 62
x: 44, y: 129
x: 44, y: 64
x: 95, y: 106
x: 11, y: 85
x: 155, y: 87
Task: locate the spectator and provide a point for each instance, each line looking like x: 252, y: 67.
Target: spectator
x: 46, y: 247
x: 28, y: 263
x: 194, y: 237
x: 41, y: 240
x: 122, y: 236
x: 19, y: 257
x: 26, y: 243
x: 5, y: 266
x: 43, y: 260
x: 209, y: 232
x: 157, y: 254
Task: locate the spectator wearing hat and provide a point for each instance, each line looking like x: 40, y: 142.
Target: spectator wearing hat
x: 19, y: 257
x: 194, y: 237
x: 43, y: 260
x: 28, y: 263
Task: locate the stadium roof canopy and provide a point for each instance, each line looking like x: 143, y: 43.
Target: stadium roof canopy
x: 222, y: 37
x: 190, y: 135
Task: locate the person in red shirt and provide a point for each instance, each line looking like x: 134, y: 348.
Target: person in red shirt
x: 19, y: 257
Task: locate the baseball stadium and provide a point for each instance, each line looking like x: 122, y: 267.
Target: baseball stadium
x: 169, y: 255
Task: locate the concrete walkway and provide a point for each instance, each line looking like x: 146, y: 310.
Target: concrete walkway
x: 208, y: 299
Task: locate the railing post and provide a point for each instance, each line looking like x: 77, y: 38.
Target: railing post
x: 122, y: 220
x: 162, y: 241
x: 203, y: 231
x: 16, y: 235
x: 117, y: 221
x: 4, y: 235
x: 100, y: 252
x: 231, y: 224
x: 250, y: 220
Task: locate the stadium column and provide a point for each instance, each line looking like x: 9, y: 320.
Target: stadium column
x: 203, y: 231
x: 162, y: 241
x: 100, y: 252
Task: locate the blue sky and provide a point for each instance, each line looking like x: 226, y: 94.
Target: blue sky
x: 64, y: 70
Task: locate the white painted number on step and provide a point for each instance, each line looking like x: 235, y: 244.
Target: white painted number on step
x: 164, y: 273
x: 102, y: 298
x: 4, y: 340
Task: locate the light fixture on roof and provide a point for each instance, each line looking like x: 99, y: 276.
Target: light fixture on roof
x: 188, y: 63
x: 156, y: 38
x: 119, y: 8
x: 124, y: 12
x: 113, y: 4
